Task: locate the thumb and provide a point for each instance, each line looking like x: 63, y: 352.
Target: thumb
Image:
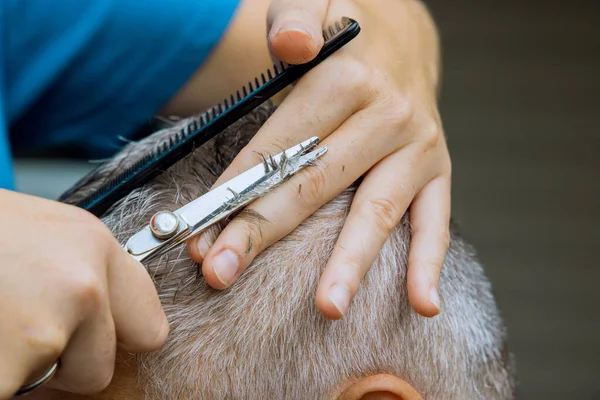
x: 295, y: 29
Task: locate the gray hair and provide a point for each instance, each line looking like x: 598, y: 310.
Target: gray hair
x: 264, y: 337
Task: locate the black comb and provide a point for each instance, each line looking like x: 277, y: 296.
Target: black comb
x: 212, y: 122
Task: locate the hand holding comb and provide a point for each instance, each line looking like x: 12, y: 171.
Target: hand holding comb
x: 211, y: 123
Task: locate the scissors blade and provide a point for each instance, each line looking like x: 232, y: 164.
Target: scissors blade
x: 224, y: 200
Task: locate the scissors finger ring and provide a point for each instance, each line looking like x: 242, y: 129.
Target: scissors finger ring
x: 40, y: 381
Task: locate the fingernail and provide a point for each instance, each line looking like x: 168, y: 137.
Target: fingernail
x: 226, y: 265
x: 339, y: 295
x: 294, y: 26
x: 434, y: 297
x: 203, y: 246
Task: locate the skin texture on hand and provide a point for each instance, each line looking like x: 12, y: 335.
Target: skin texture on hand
x: 373, y: 104
x: 68, y: 290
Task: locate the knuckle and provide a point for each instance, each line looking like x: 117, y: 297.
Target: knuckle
x: 384, y: 213
x: 48, y: 340
x: 87, y: 290
x: 252, y: 226
x: 94, y: 229
x: 88, y: 220
x: 79, y: 214
x: 430, y: 135
x: 357, y: 271
x: 356, y: 267
x: 266, y: 151
x: 435, y: 264
x: 352, y: 77
x: 402, y: 110
x: 314, y: 186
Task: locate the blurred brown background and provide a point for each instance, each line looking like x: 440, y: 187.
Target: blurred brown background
x: 521, y: 109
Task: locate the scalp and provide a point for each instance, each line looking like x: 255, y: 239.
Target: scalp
x: 264, y: 337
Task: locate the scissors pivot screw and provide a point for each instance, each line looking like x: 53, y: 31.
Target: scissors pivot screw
x: 164, y: 224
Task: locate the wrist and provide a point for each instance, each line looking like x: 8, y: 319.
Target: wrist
x: 402, y: 35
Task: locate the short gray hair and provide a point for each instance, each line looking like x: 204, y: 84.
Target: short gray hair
x: 264, y: 337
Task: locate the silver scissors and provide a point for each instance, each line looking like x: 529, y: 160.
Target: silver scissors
x: 169, y: 229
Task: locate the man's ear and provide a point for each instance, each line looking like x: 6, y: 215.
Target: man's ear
x: 380, y: 387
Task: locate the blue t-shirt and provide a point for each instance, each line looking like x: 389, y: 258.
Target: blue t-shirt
x: 86, y: 72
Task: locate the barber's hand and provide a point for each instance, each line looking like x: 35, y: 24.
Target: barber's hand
x: 373, y: 103
x: 68, y: 290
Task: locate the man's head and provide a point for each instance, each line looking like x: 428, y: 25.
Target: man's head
x: 264, y: 337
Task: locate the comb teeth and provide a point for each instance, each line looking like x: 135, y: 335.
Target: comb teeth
x: 213, y: 121
x: 336, y: 28
x: 246, y: 90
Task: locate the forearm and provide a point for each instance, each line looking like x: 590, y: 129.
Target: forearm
x: 429, y: 42
x: 241, y: 55
x: 411, y: 25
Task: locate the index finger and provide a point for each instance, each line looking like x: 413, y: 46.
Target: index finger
x: 140, y: 321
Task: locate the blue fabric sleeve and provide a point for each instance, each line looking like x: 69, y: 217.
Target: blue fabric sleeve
x: 85, y: 72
